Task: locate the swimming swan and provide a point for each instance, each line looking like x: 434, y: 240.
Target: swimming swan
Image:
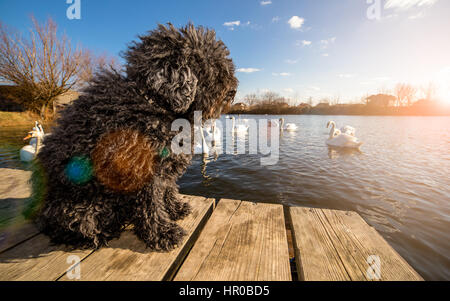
x: 239, y: 128
x: 339, y: 139
x: 29, y: 152
x: 349, y: 130
x: 290, y: 127
x: 213, y: 133
x: 201, y: 147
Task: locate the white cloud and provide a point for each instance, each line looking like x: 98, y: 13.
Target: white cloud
x: 282, y: 74
x: 232, y: 23
x: 289, y: 90
x: 304, y: 43
x: 346, y: 75
x: 248, y: 70
x: 296, y: 22
x: 264, y: 3
x: 275, y: 19
x: 326, y: 43
x: 325, y: 55
x: 407, y: 4
x: 315, y: 88
x: 292, y: 62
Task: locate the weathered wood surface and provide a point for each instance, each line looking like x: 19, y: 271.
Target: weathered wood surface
x: 125, y: 259
x: 241, y: 241
x: 14, y: 195
x: 128, y: 259
x: 36, y: 259
x: 337, y: 245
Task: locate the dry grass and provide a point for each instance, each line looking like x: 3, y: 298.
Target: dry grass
x: 18, y: 118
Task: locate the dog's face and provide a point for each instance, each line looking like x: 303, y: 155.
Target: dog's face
x: 183, y: 70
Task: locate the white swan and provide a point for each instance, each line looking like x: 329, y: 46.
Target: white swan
x: 339, y: 139
x: 349, y: 130
x: 29, y: 152
x: 239, y: 128
x: 290, y: 127
x: 201, y: 147
x: 213, y: 134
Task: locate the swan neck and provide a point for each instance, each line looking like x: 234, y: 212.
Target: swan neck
x: 38, y: 144
x: 333, y: 126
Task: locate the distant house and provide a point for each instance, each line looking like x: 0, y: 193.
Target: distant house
x: 64, y: 99
x: 322, y: 105
x: 304, y: 108
x: 239, y: 107
x: 381, y: 100
x: 284, y: 105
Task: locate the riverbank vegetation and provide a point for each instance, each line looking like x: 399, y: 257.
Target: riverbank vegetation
x: 17, y: 119
x: 403, y: 101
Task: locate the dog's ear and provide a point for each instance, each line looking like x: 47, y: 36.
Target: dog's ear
x: 176, y: 84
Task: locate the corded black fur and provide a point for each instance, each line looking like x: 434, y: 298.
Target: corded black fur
x: 169, y: 74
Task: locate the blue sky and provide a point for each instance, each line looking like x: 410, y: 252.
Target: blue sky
x: 298, y: 48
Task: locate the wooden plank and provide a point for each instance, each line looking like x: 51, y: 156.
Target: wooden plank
x: 242, y: 241
x: 128, y: 259
x: 14, y: 195
x: 337, y: 245
x: 364, y: 241
x: 36, y: 259
x: 14, y: 183
x: 17, y: 232
x: 316, y: 258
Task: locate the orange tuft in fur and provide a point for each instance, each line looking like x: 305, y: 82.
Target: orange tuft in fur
x: 124, y: 160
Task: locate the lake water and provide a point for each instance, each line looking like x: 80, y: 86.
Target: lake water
x: 399, y: 181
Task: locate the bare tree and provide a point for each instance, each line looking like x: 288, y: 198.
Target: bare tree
x: 405, y: 93
x: 251, y: 99
x: 42, y: 65
x: 336, y: 100
x: 429, y: 91
x: 410, y: 94
x: 270, y: 97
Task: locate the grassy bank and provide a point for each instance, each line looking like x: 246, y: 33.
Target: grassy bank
x: 17, y: 118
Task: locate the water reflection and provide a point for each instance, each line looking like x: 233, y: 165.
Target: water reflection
x: 398, y: 181
x: 337, y: 152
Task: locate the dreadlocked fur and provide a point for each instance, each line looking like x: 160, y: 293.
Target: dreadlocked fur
x: 103, y: 167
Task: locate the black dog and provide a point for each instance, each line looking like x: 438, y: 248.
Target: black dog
x: 108, y: 162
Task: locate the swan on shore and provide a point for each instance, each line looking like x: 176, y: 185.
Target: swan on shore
x: 29, y: 152
x: 338, y: 139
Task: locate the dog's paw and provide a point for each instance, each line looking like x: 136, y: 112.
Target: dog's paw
x: 170, y: 238
x: 180, y: 211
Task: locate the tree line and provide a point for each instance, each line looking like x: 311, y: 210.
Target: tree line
x: 402, y: 101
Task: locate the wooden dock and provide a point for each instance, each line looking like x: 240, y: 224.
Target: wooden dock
x: 227, y: 240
